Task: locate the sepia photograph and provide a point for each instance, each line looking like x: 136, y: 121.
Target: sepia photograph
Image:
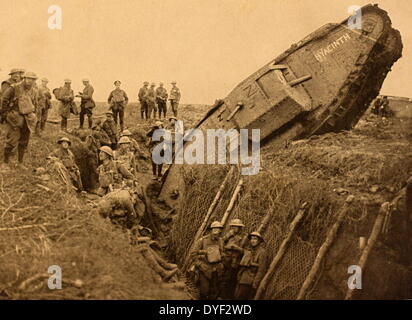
x: 207, y: 155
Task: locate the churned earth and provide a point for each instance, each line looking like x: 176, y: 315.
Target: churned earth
x: 43, y: 224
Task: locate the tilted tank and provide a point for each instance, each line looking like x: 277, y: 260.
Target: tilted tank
x: 324, y: 83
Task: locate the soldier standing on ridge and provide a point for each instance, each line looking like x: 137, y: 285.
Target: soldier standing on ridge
x: 151, y: 101
x: 87, y: 103
x: 18, y: 105
x: 161, y: 99
x: 67, y: 105
x: 174, y: 98
x: 118, y: 100
x: 44, y: 105
x: 142, y: 99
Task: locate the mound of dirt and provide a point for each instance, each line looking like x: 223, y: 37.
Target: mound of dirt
x: 44, y: 224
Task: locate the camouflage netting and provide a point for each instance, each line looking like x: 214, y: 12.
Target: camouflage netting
x: 196, y: 203
x: 321, y: 171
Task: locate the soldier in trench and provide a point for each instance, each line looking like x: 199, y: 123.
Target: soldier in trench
x: 208, y: 255
x: 252, y: 267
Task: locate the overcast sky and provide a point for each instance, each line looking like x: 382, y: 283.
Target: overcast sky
x: 207, y: 46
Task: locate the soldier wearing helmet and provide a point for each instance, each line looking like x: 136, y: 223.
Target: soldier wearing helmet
x: 142, y: 99
x: 111, y: 174
x: 174, y: 98
x: 208, y: 253
x: 161, y: 100
x: 87, y: 103
x: 233, y: 241
x: 64, y: 159
x: 44, y: 104
x: 253, y: 267
x: 18, y: 105
x: 118, y: 100
x: 134, y: 145
x: 125, y: 156
x: 109, y: 126
x: 15, y: 77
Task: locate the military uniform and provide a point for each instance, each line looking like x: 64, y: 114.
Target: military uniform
x: 156, y: 168
x: 253, y: 267
x: 151, y: 102
x: 174, y: 99
x: 125, y: 207
x: 209, y: 265
x: 109, y: 126
x: 143, y: 103
x: 18, y: 105
x: 232, y: 244
x: 101, y: 136
x: 7, y: 84
x: 86, y: 105
x: 118, y: 100
x: 111, y: 175
x: 161, y: 99
x: 66, y: 157
x: 44, y: 104
x: 134, y: 147
x: 127, y: 159
x: 66, y: 99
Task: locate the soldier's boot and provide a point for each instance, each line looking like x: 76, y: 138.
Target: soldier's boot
x: 20, y: 155
x: 5, y: 166
x: 90, y: 119
x: 81, y: 122
x: 7, y: 154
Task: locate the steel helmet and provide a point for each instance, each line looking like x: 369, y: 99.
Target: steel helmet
x: 13, y: 71
x: 30, y: 75
x: 256, y: 234
x: 124, y: 139
x: 216, y: 224
x: 107, y: 150
x: 62, y: 139
x: 236, y: 223
x: 158, y: 123
x: 126, y: 133
x: 109, y: 113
